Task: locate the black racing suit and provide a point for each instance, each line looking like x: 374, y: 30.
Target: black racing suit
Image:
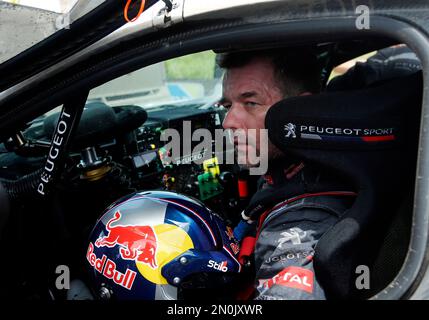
x: 287, y: 238
x: 286, y: 244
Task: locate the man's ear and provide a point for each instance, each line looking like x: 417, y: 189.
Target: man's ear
x: 306, y: 93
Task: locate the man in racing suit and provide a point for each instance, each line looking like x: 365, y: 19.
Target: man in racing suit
x: 294, y: 209
x: 288, y: 232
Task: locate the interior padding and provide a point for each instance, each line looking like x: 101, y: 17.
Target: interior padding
x: 369, y: 137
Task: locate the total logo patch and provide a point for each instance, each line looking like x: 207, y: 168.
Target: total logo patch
x: 218, y: 266
x: 292, y: 277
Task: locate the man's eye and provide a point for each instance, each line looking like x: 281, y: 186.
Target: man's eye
x: 250, y: 104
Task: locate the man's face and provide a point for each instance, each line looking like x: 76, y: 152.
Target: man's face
x: 248, y: 93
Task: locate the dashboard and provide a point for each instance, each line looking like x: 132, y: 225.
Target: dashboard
x: 115, y: 151
x: 119, y: 150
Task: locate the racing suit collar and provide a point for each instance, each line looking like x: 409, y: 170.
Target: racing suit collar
x: 280, y: 172
x: 286, y: 180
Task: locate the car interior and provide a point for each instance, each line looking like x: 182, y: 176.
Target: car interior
x: 117, y: 149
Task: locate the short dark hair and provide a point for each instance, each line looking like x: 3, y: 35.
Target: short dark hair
x: 295, y: 70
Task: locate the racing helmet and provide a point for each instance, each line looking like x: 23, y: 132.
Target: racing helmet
x: 159, y: 245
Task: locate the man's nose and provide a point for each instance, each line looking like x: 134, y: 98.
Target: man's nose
x: 232, y: 119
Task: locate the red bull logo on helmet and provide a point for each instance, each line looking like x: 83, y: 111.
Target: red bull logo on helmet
x: 149, y: 246
x: 107, y: 268
x: 138, y: 243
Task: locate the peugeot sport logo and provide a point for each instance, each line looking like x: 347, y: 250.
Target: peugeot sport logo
x: 290, y: 130
x: 293, y: 235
